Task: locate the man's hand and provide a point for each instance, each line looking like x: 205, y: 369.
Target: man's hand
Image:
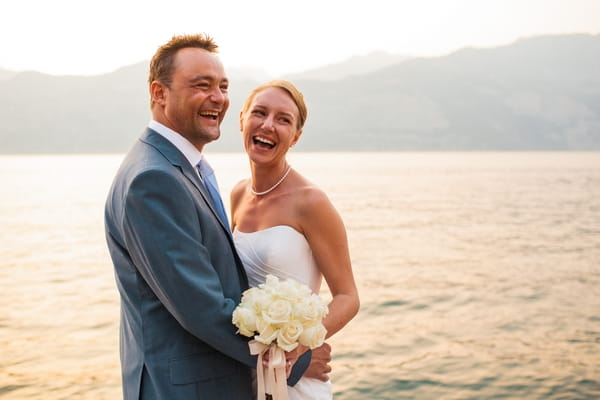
x: 319, y: 367
x: 292, y: 356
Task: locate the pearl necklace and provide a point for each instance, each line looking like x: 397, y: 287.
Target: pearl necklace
x: 274, y: 186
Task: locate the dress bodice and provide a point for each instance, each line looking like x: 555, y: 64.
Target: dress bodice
x: 279, y: 250
x: 284, y: 252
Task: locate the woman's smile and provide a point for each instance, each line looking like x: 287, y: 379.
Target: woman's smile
x: 263, y: 142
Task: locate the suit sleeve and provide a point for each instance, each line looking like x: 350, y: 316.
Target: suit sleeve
x: 299, y: 368
x: 162, y: 230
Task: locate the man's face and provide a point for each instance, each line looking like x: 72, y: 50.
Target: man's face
x: 196, y: 102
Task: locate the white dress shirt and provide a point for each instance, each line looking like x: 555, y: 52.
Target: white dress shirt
x: 190, y: 151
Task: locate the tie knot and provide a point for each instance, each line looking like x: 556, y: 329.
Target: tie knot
x: 205, y: 168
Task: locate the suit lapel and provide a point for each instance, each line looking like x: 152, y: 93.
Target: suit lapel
x: 175, y: 157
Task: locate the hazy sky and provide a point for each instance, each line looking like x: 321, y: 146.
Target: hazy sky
x: 93, y: 36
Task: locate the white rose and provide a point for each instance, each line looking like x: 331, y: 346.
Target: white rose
x: 293, y: 290
x: 302, y: 289
x: 271, y: 284
x: 267, y: 332
x: 256, y: 299
x: 313, y: 337
x: 278, y: 312
x: 245, y: 320
x: 287, y: 337
x: 310, y: 310
x: 248, y: 293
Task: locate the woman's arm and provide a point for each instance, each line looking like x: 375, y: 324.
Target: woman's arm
x: 324, y: 229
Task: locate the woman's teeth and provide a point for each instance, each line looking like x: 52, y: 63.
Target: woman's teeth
x: 263, y: 141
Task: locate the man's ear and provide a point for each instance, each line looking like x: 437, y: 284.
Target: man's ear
x: 157, y: 92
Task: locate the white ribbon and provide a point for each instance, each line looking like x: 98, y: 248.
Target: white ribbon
x: 276, y: 381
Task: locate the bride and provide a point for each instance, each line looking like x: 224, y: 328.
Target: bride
x: 283, y: 224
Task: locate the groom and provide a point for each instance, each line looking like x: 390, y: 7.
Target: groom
x: 177, y: 271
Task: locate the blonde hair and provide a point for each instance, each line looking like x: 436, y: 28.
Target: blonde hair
x: 289, y: 87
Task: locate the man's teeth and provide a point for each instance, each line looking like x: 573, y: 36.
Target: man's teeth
x: 210, y: 114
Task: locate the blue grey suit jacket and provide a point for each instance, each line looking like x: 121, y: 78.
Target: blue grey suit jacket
x: 179, y: 278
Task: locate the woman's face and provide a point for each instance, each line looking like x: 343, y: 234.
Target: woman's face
x: 269, y: 125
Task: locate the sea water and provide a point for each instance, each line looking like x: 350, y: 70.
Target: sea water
x: 478, y: 272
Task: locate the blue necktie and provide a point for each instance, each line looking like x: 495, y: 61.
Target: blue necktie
x: 210, y: 183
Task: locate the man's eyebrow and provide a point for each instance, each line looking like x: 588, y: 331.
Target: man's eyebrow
x: 206, y: 78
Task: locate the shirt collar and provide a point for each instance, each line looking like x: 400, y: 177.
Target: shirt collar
x: 190, y: 152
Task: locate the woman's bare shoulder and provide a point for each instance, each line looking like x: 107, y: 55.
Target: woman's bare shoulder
x: 312, y: 199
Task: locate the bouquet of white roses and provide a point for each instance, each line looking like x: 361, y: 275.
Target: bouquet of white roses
x: 279, y: 315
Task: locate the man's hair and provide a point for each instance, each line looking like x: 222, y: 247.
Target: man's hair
x: 287, y: 86
x: 162, y: 64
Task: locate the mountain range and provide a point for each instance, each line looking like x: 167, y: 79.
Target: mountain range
x: 539, y: 93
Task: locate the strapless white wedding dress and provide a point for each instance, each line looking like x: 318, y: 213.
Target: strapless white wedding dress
x: 284, y: 252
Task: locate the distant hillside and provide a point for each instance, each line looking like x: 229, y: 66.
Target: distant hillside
x: 539, y: 93
x: 357, y: 65
x: 72, y: 114
x: 536, y: 94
